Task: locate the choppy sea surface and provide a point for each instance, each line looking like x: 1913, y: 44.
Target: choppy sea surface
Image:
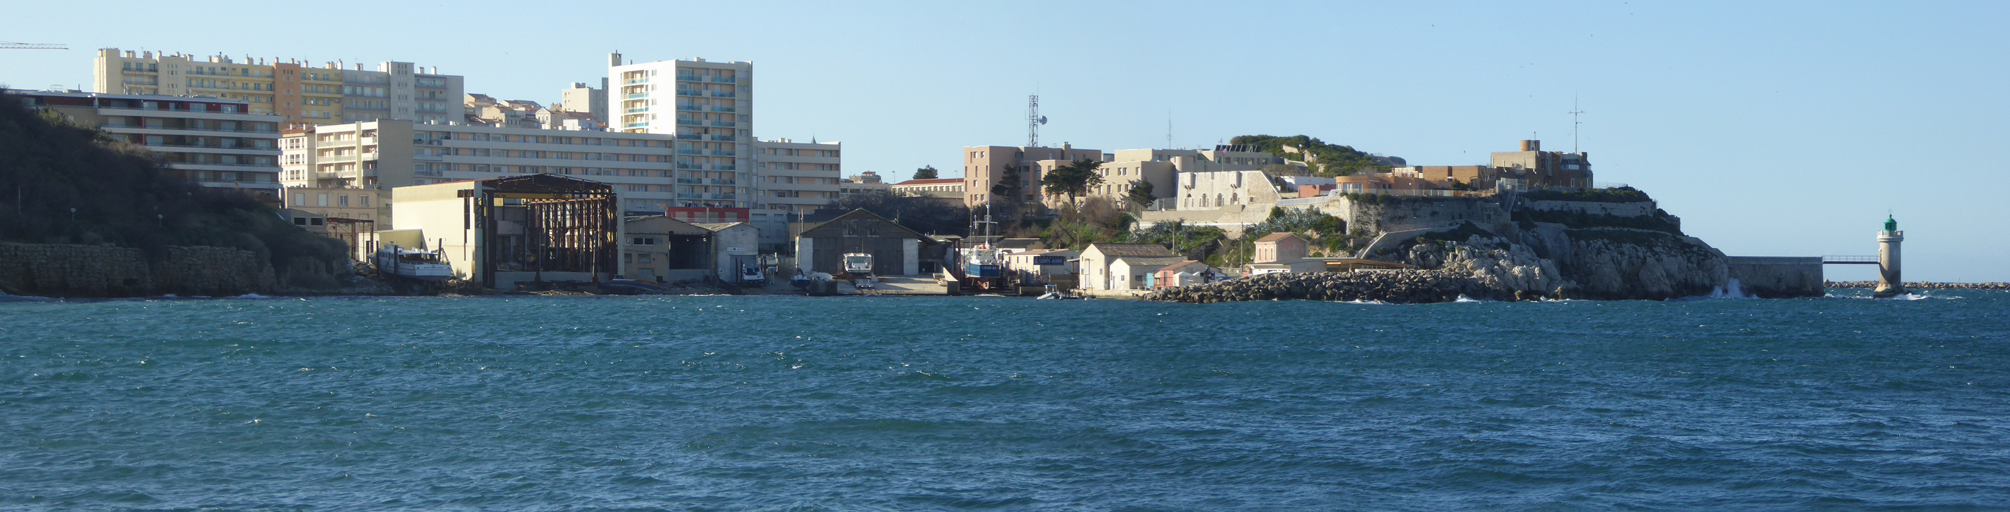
x: 791, y: 403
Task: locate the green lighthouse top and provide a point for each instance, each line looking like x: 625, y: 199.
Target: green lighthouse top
x: 1890, y: 224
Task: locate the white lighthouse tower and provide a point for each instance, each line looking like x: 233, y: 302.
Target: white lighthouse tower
x: 1888, y: 282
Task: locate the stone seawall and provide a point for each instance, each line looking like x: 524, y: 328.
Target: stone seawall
x: 1640, y: 209
x: 1777, y: 277
x: 65, y: 270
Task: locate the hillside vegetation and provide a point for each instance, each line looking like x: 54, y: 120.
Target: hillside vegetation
x: 67, y: 184
x: 1326, y: 159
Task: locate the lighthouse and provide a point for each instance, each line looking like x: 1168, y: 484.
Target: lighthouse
x: 1888, y: 282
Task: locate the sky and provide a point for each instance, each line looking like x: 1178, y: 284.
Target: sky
x: 1770, y: 128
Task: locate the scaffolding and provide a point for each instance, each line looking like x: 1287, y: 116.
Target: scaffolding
x: 543, y: 223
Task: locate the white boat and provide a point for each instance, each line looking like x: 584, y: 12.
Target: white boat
x: 393, y: 260
x: 858, y: 264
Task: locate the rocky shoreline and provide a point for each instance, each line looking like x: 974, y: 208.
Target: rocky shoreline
x: 1922, y: 285
x: 1398, y: 286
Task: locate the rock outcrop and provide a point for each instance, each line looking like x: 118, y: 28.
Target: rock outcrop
x: 1550, y: 261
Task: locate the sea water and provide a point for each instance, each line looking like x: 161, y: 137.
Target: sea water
x: 792, y: 403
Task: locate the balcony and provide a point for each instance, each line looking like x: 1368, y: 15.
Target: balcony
x: 691, y: 167
x: 723, y: 79
x: 724, y: 182
x: 722, y: 95
x: 688, y: 78
x: 690, y: 122
x: 636, y: 96
x: 690, y: 108
x: 685, y: 195
x: 722, y: 138
x: 690, y: 181
x: 721, y: 153
x: 635, y: 111
x: 723, y: 168
x: 635, y: 81
x: 725, y: 124
x: 690, y: 152
x: 690, y: 137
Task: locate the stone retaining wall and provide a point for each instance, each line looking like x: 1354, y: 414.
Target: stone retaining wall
x: 1777, y: 277
x: 66, y: 270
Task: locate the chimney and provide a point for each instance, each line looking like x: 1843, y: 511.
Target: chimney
x: 614, y: 59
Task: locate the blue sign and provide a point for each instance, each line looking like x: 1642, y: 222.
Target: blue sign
x: 1050, y: 260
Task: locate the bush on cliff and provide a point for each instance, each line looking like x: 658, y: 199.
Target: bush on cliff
x: 67, y: 184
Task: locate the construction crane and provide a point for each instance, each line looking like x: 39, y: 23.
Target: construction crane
x: 31, y: 46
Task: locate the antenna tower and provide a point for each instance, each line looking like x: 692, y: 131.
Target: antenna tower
x: 1574, y: 111
x: 1033, y: 121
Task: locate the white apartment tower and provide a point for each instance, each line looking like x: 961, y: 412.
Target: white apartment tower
x: 708, y: 107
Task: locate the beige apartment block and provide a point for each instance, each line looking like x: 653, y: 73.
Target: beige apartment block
x: 382, y: 155
x: 983, y: 165
x: 215, y: 142
x: 295, y: 90
x: 706, y: 106
x: 585, y: 100
x: 797, y: 177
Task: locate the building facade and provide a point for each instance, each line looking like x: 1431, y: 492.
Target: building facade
x: 983, y: 166
x: 383, y: 155
x: 947, y: 189
x: 796, y: 177
x: 215, y: 142
x: 1538, y: 168
x: 706, y: 106
x: 587, y: 100
x: 296, y: 91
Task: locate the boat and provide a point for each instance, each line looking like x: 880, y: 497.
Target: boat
x: 858, y: 264
x: 394, y: 260
x: 751, y: 275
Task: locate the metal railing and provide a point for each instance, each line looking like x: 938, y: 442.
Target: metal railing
x: 1849, y: 260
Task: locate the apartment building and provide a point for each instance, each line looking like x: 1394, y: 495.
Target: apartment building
x: 796, y: 177
x: 983, y: 166
x: 298, y: 92
x: 587, y: 100
x: 218, y: 143
x: 382, y: 155
x: 706, y: 106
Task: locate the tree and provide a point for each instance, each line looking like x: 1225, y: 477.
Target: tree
x: 923, y: 214
x: 1141, y: 194
x: 1074, y: 179
x: 1007, y: 194
x: 926, y: 173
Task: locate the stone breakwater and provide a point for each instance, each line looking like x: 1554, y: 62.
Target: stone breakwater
x: 1923, y: 285
x: 66, y: 270
x: 1398, y: 286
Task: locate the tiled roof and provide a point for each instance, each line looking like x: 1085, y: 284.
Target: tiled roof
x: 1274, y: 237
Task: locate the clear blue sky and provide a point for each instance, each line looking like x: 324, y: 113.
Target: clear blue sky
x: 1771, y: 128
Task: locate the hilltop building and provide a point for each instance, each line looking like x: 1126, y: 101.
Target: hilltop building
x: 984, y: 165
x: 294, y: 90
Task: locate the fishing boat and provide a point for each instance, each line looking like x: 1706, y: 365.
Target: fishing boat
x: 408, y: 263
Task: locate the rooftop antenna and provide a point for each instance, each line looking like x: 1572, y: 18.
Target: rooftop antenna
x: 1033, y: 121
x: 1169, y: 145
x: 1574, y: 111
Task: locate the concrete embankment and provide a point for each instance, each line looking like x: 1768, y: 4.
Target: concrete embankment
x: 1399, y: 286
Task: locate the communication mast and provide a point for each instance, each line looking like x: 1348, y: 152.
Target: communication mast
x: 1574, y: 111
x: 31, y: 46
x: 1033, y: 121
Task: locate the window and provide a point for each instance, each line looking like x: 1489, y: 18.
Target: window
x: 324, y: 200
